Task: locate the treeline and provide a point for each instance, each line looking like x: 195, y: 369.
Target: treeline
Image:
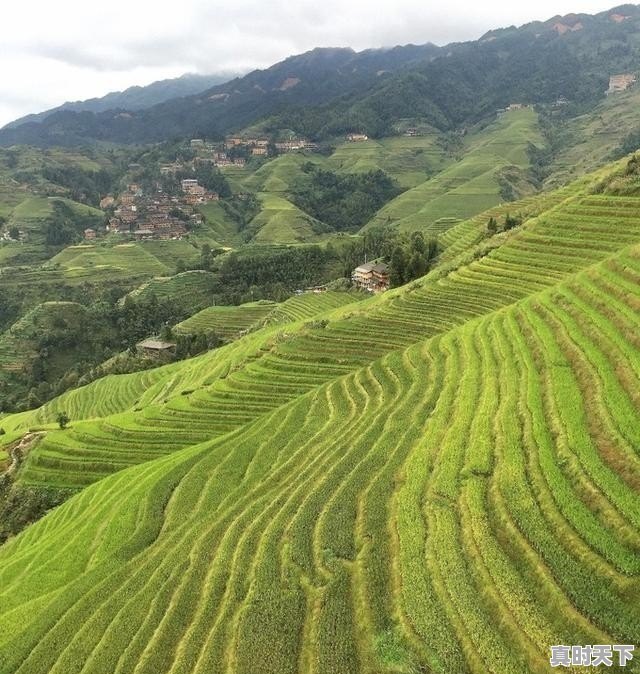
x: 529, y: 64
x: 509, y: 222
x: 86, y: 187
x: 630, y: 143
x: 411, y: 258
x: 345, y: 202
x: 107, y: 327
x: 474, y: 80
x: 66, y: 224
x: 408, y: 256
x: 623, y: 183
x: 242, y: 209
x: 272, y: 274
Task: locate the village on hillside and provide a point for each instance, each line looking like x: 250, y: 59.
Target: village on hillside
x: 236, y: 150
x: 159, y: 215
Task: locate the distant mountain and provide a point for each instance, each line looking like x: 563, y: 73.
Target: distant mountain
x: 137, y: 97
x: 327, y: 92
x: 315, y: 77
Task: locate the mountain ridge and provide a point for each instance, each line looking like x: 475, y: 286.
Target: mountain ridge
x: 327, y: 92
x: 136, y: 97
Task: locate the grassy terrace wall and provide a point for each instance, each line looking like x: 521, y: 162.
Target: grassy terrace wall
x: 229, y: 322
x: 468, y: 186
x: 226, y: 389
x: 443, y: 479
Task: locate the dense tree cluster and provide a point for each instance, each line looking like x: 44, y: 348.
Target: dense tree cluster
x: 411, y: 259
x: 242, y: 208
x: 87, y: 187
x: 92, y: 334
x: 343, y: 201
x: 193, y: 345
x: 21, y: 505
x: 272, y: 273
x: 408, y: 256
x: 625, y: 182
x: 509, y: 222
x: 66, y: 224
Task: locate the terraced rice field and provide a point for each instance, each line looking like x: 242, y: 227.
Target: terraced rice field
x: 280, y: 221
x: 218, y: 229
x: 231, y: 322
x: 466, y: 187
x: 192, y: 289
x: 230, y: 387
x: 444, y: 479
x: 89, y: 261
x: 228, y: 322
x: 19, y: 345
x: 280, y: 174
x: 410, y: 161
x: 308, y: 305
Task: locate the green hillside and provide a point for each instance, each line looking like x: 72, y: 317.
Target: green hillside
x: 49, y: 197
x: 474, y: 183
x: 43, y: 345
x: 585, y: 140
x: 228, y: 322
x: 219, y: 229
x: 280, y: 221
x: 279, y: 175
x: 374, y: 91
x: 124, y: 259
x: 308, y: 305
x: 410, y: 160
x: 443, y: 478
x: 192, y: 290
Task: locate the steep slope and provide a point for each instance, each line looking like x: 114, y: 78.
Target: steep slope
x: 223, y: 390
x: 192, y: 290
x: 474, y: 183
x: 588, y: 138
x: 457, y: 505
x: 43, y: 345
x: 409, y: 160
x: 230, y: 322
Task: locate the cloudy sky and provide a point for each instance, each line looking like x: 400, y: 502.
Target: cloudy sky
x: 55, y: 51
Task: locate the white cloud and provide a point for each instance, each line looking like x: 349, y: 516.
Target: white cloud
x: 52, y: 52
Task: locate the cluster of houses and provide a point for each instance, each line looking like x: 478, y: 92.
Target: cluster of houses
x: 226, y: 154
x: 194, y: 193
x: 156, y: 216
x: 219, y: 154
x: 621, y: 82
x: 511, y: 107
x: 6, y: 236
